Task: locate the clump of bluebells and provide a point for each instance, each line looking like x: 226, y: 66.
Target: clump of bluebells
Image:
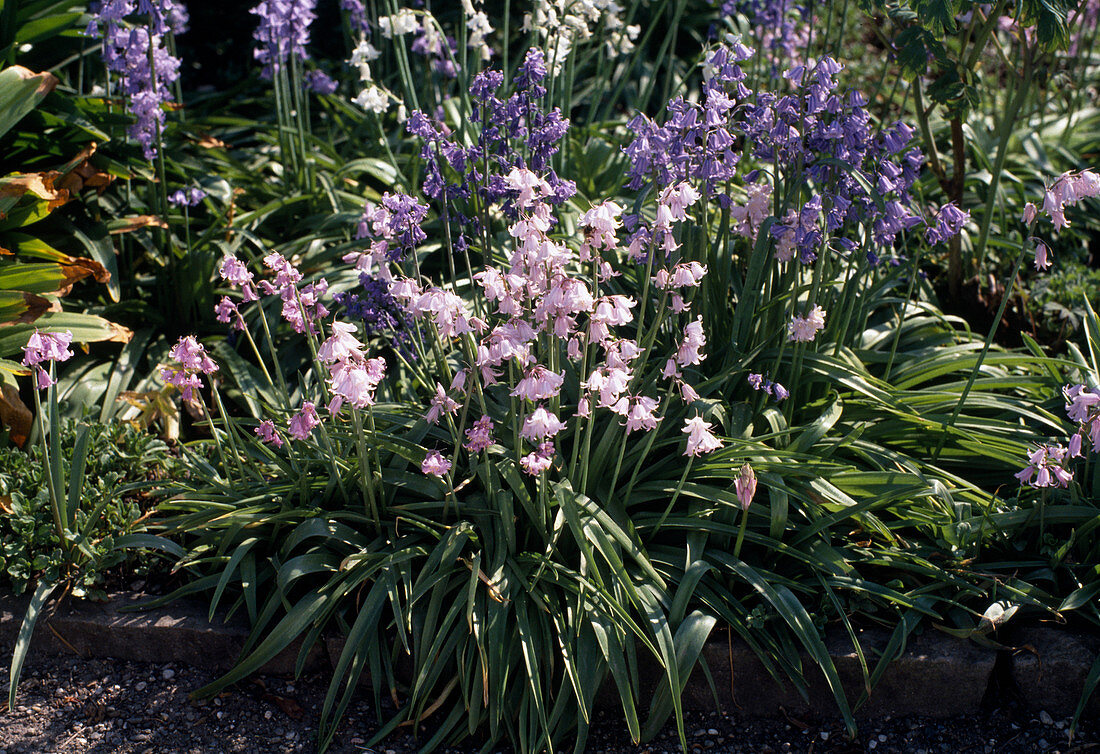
x: 133, y: 43
x: 804, y: 160
x: 491, y: 362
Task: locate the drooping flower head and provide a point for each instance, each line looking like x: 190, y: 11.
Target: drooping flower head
x: 805, y: 329
x: 303, y: 422
x: 435, y: 464
x: 46, y: 347
x: 700, y: 439
x: 193, y: 361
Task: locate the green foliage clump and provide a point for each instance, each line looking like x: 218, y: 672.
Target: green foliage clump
x: 120, y: 461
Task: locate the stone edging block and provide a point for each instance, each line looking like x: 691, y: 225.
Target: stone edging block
x: 936, y: 676
x: 177, y: 632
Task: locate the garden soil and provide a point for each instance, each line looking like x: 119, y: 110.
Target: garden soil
x: 69, y: 705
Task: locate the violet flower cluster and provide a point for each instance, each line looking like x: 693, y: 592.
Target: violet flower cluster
x: 515, y: 133
x: 283, y: 31
x: 781, y: 26
x: 193, y: 361
x: 145, y: 78
x: 45, y: 348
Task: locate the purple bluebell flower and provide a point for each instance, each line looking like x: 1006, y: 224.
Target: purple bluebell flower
x: 382, y: 315
x: 145, y: 80
x: 319, y: 82
x: 949, y: 221
x: 283, y: 31
x: 189, y: 197
x: 356, y: 15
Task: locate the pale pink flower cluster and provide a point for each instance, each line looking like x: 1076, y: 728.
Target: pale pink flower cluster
x: 746, y: 220
x: 266, y: 432
x: 45, y: 347
x: 302, y: 308
x: 700, y: 439
x: 304, y: 422
x: 805, y: 329
x: 1083, y: 407
x: 543, y: 295
x: 435, y: 464
x: 193, y: 360
x: 353, y: 377
x: 672, y: 204
x: 1048, y: 465
x: 1068, y: 189
x: 235, y: 272
x: 480, y: 436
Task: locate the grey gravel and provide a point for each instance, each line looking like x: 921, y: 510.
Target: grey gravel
x: 68, y: 705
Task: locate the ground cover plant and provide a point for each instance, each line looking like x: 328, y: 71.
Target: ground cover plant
x: 529, y: 346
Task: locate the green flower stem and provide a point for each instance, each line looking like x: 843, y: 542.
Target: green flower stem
x: 650, y: 439
x: 1010, y: 283
x: 229, y: 429
x: 50, y: 461
x: 1004, y: 135
x: 741, y: 532
x: 365, y: 471
x: 214, y: 433
x: 284, y: 389
x: 675, y: 497
x: 901, y: 314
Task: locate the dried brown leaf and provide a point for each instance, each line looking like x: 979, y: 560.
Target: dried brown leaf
x: 15, y: 415
x: 130, y: 224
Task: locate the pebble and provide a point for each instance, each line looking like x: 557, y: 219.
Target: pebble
x: 168, y: 674
x: 1045, y: 718
x: 1042, y: 743
x: 141, y: 686
x: 824, y: 735
x: 872, y: 744
x: 712, y: 732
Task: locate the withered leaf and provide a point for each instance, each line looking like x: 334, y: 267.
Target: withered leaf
x: 15, y: 415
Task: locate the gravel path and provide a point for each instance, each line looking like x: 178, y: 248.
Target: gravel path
x: 68, y: 705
